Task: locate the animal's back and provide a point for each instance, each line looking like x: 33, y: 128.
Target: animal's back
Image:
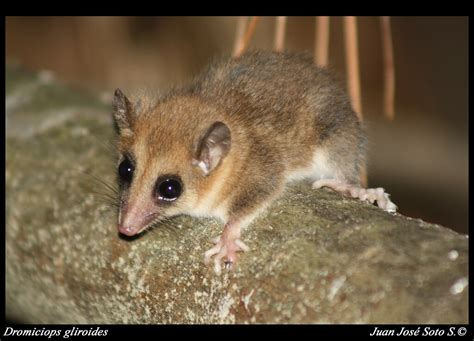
x: 284, y: 98
x: 284, y: 83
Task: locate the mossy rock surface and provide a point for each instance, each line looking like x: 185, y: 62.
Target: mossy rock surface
x: 316, y: 257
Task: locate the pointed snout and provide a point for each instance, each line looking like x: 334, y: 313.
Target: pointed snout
x: 135, y: 220
x: 128, y: 230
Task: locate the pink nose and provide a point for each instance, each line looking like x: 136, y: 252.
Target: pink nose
x: 127, y: 230
x: 136, y: 215
x: 135, y: 221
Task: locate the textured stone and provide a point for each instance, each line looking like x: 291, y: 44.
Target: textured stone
x: 315, y: 257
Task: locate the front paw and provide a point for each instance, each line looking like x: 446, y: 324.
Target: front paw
x: 225, y: 251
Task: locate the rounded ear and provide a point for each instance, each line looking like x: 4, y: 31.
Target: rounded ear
x: 212, y: 147
x: 122, y: 113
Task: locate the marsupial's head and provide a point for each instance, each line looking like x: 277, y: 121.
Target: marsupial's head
x: 170, y: 155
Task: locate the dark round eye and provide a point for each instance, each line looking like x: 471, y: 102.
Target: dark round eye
x: 169, y: 189
x: 125, y: 170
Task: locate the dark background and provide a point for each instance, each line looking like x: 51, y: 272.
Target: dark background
x: 421, y: 157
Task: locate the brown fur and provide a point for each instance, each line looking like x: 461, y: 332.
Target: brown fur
x: 280, y: 110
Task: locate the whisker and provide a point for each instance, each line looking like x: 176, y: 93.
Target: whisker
x: 165, y: 223
x: 106, y: 198
x: 102, y: 190
x: 174, y: 226
x: 113, y: 188
x: 109, y: 202
x: 107, y: 145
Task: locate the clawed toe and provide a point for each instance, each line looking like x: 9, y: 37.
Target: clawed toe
x: 242, y: 246
x: 216, y: 240
x: 371, y: 195
x: 228, y: 265
x: 211, y: 252
x: 217, y: 266
x: 225, y: 250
